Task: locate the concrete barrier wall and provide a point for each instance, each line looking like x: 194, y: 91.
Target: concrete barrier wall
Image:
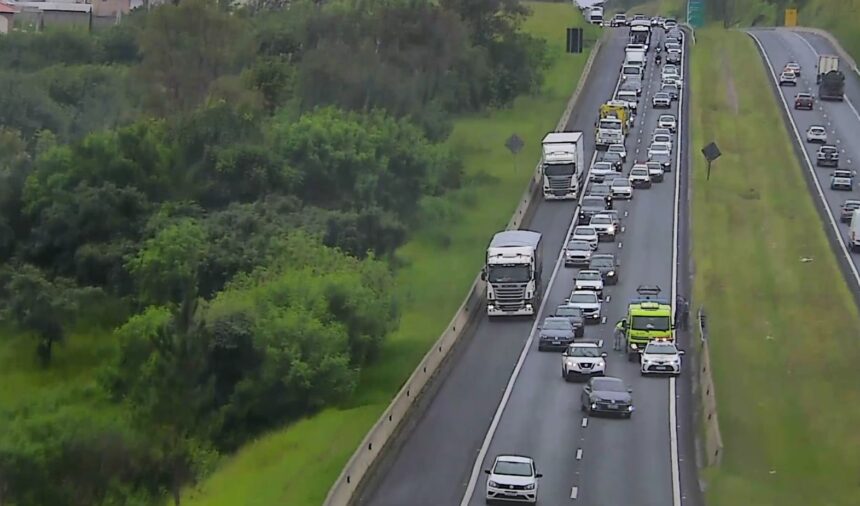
x: 713, y: 440
x: 374, y: 443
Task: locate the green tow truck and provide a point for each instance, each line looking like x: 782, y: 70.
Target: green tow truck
x: 649, y: 317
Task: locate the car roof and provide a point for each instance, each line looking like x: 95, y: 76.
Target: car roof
x: 578, y: 227
x: 639, y: 168
x: 851, y: 202
x: 514, y: 458
x: 603, y: 255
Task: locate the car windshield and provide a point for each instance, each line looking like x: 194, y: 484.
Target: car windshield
x: 568, y: 311
x: 602, y: 263
x: 664, y: 96
x: 599, y: 189
x: 588, y: 276
x: 559, y: 169
x: 508, y: 273
x: 667, y: 119
x: 816, y: 130
x: 660, y: 156
x: 508, y: 468
x: 661, y: 349
x: 631, y: 70
x: 593, y: 202
x: 612, y: 156
x: 851, y: 204
x: 609, y: 124
x: 828, y: 149
x: 804, y: 97
x: 607, y: 385
x: 654, y: 166
x: 639, y: 172
x: 662, y: 138
x: 602, y: 166
x: 601, y: 219
x: 583, y: 297
x: 584, y: 231
x: 650, y: 323
x: 556, y: 324
x: 621, y: 183
x: 574, y: 245
x: 584, y: 351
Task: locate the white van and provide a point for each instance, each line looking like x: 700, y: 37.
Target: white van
x: 854, y: 232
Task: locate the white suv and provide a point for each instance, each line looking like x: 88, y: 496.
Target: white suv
x: 513, y: 478
x: 583, y: 359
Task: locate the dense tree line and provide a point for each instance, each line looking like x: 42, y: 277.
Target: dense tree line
x: 238, y: 179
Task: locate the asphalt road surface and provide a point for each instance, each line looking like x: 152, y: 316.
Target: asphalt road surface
x: 841, y: 119
x: 600, y: 462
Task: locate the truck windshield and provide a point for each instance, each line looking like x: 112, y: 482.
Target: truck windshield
x: 509, y: 274
x: 610, y: 125
x: 650, y: 323
x: 559, y: 169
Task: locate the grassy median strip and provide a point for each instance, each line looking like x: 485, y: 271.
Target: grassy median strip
x: 297, y: 465
x: 784, y: 326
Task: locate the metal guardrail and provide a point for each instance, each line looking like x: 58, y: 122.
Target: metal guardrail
x: 375, y: 442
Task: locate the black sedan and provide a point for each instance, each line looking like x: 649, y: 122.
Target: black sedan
x: 607, y: 395
x: 664, y: 158
x: 608, y: 267
x: 600, y: 190
x: 574, y: 314
x: 556, y: 333
x: 613, y: 157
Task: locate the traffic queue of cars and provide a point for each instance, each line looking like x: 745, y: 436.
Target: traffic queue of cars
x: 648, y: 332
x: 827, y: 156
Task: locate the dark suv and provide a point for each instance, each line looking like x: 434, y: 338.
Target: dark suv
x: 804, y: 101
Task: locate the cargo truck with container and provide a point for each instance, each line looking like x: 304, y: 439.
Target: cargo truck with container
x: 562, y: 165
x: 513, y: 273
x: 613, y: 124
x: 831, y: 80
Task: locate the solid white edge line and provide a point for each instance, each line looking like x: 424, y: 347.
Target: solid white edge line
x: 488, y: 438
x: 809, y: 165
x: 816, y: 53
x: 673, y: 408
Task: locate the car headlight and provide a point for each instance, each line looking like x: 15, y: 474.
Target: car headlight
x: 634, y: 346
x: 610, y: 273
x: 492, y: 484
x: 593, y: 405
x: 530, y: 486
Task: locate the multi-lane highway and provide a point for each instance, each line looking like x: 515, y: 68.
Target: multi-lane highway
x: 841, y: 119
x: 501, y: 395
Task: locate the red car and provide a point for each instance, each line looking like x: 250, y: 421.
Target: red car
x: 804, y: 101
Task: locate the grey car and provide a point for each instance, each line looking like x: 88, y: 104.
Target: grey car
x: 613, y: 157
x: 600, y: 190
x: 591, y: 205
x: 605, y: 226
x: 574, y: 314
x: 607, y: 395
x: 827, y: 156
x: 577, y: 253
x: 600, y: 171
x: 556, y: 333
x: 664, y: 158
x: 607, y: 265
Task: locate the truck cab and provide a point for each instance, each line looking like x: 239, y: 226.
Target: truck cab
x: 513, y: 273
x: 649, y: 317
x: 562, y: 165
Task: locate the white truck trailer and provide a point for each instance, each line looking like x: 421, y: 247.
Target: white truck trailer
x: 513, y: 273
x: 562, y: 165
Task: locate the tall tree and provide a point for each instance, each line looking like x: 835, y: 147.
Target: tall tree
x: 185, y: 48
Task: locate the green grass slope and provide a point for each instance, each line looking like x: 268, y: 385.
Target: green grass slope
x: 783, y: 332
x: 296, y: 465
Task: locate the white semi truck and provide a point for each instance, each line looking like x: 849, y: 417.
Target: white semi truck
x: 513, y: 273
x: 562, y: 165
